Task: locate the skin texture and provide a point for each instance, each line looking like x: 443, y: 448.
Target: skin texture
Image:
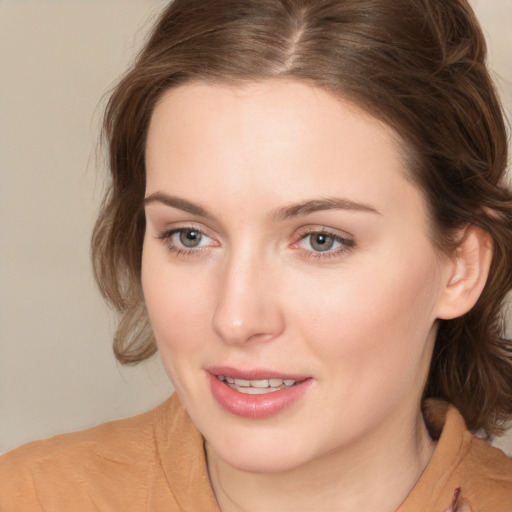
x: 359, y: 319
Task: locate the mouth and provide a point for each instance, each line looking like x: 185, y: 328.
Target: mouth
x: 258, y: 387
x: 256, y: 393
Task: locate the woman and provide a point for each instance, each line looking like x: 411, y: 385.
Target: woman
x: 308, y: 218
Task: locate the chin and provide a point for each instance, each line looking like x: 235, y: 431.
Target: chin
x: 263, y: 454
x: 263, y: 463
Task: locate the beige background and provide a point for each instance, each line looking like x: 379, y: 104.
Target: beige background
x: 57, y: 60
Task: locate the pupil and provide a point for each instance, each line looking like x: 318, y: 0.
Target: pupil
x: 322, y: 242
x: 190, y: 238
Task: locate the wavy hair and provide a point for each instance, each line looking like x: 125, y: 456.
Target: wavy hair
x: 417, y: 65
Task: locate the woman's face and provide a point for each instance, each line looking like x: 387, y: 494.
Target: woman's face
x: 286, y: 247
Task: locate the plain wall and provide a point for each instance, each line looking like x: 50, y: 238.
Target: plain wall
x: 58, y: 58
x: 57, y: 370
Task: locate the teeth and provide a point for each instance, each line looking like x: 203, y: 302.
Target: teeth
x: 242, y: 382
x: 257, y: 387
x: 259, y: 383
x: 255, y: 391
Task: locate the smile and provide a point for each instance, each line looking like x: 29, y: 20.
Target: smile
x: 256, y: 394
x: 257, y: 387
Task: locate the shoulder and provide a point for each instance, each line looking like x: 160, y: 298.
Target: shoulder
x: 483, y: 472
x: 71, y: 468
x: 461, y: 461
x: 487, y: 473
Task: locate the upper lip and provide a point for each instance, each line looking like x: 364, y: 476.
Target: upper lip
x: 253, y: 374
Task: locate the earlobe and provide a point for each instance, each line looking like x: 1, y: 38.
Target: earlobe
x: 467, y: 271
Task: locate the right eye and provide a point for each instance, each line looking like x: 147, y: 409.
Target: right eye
x: 188, y: 237
x: 185, y: 240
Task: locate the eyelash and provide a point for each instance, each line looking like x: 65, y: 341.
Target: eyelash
x: 166, y: 238
x: 346, y: 244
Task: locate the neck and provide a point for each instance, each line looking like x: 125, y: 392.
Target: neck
x: 376, y: 474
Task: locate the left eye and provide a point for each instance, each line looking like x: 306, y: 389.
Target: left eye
x: 323, y: 242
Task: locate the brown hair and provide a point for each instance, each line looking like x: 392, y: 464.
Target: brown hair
x: 418, y: 65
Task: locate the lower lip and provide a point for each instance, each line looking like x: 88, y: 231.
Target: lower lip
x: 256, y: 406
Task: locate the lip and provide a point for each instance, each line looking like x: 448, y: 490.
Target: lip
x: 254, y: 374
x: 255, y: 406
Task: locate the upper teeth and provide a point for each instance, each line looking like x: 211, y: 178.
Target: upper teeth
x: 247, y: 385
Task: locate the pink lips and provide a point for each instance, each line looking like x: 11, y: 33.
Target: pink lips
x: 255, y: 406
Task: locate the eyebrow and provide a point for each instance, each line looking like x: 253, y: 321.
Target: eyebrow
x: 315, y: 205
x: 179, y: 203
x: 279, y: 214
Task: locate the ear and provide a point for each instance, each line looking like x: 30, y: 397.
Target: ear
x: 467, y: 272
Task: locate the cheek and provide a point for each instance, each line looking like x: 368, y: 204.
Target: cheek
x: 176, y: 302
x: 373, y: 321
x: 177, y: 311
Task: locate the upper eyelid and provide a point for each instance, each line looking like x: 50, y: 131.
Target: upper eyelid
x: 181, y: 226
x: 165, y: 224
x: 338, y: 238
x: 325, y: 230
x: 167, y: 233
x: 301, y: 234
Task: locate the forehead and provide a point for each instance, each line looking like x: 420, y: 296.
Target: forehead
x: 279, y: 138
x: 267, y: 104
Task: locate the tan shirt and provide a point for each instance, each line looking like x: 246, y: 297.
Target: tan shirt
x: 155, y: 462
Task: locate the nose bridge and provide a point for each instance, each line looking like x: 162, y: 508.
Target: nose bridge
x: 247, y: 307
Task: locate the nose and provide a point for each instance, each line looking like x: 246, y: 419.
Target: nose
x: 247, y: 307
